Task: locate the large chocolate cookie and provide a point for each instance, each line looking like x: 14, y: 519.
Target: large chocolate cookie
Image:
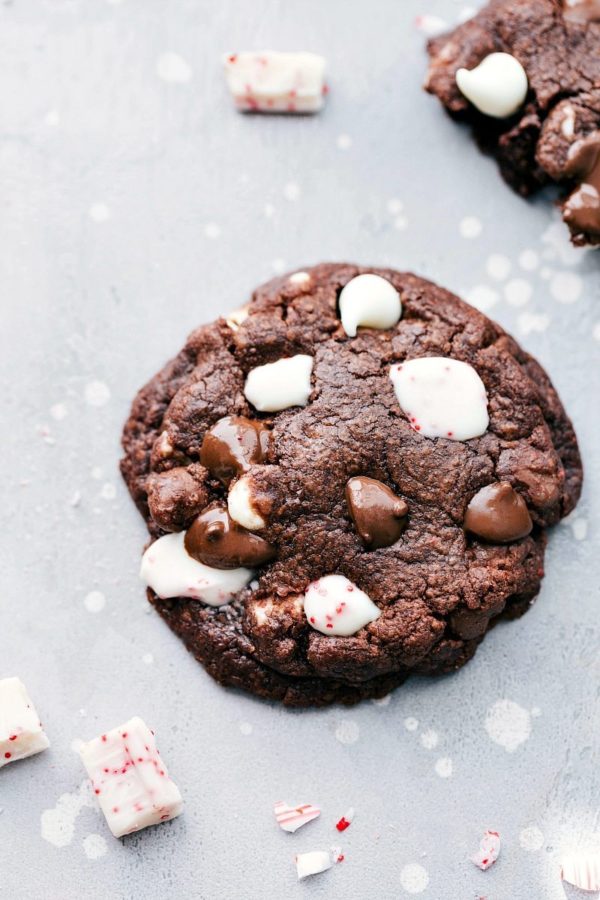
x: 360, y: 502
x: 537, y: 109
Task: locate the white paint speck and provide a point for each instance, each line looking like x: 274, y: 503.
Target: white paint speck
x: 518, y: 292
x: 430, y: 739
x: 443, y: 767
x: 97, y: 393
x: 596, y: 331
x: 94, y: 602
x: 344, y: 141
x: 291, y: 190
x: 400, y: 223
x: 395, y: 206
x: 529, y: 260
x: 528, y: 322
x: 57, y: 825
x: 531, y: 838
x: 58, y: 411
x: 269, y: 210
x: 535, y: 712
x: 498, y: 266
x: 148, y: 659
x: 470, y: 227
x: 96, y: 473
x: 94, y: 846
x: 278, y: 266
x: 508, y: 724
x: 411, y: 724
x: 99, y: 212
x: 347, y: 732
x: 545, y: 273
x: 75, y: 499
x: 246, y: 728
x: 52, y: 118
x: 566, y: 287
x: 431, y: 25
x: 382, y: 701
x: 580, y: 529
x: 173, y: 68
x: 108, y: 492
x: 212, y: 231
x: 414, y: 878
x: 482, y: 297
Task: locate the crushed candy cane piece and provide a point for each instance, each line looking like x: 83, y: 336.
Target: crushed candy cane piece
x: 337, y: 855
x: 345, y: 821
x: 489, y: 850
x: 274, y: 82
x: 312, y: 863
x: 582, y: 870
x: 291, y: 818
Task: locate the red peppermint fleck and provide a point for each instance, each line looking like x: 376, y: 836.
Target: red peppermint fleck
x: 232, y: 57
x: 312, y: 619
x: 329, y: 625
x: 104, y: 738
x: 7, y: 755
x: 450, y: 433
x: 325, y: 89
x: 13, y: 737
x: 124, y: 735
x: 96, y: 790
x: 115, y: 809
x: 342, y: 824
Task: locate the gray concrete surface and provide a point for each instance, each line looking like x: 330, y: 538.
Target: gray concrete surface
x: 136, y: 204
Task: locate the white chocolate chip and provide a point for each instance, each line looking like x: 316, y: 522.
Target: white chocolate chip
x: 299, y: 278
x: 496, y: 87
x: 241, y: 508
x: 568, y: 123
x: 170, y: 571
x: 441, y: 397
x: 371, y: 301
x: 164, y: 446
x: 130, y: 779
x: 235, y: 318
x: 281, y: 384
x: 335, y: 606
x: 21, y: 732
x: 275, y: 82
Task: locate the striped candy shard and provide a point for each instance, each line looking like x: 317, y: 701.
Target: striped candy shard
x: 582, y: 870
x: 489, y: 850
x: 291, y: 818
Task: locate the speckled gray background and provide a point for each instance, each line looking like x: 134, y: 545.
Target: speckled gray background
x: 135, y: 204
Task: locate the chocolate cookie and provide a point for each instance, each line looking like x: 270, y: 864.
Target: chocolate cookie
x: 346, y: 481
x: 526, y: 75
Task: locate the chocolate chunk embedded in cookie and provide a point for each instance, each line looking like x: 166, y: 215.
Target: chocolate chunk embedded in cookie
x: 332, y: 511
x: 526, y: 75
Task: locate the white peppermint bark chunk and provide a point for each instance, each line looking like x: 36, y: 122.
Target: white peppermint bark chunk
x: 371, y: 301
x: 497, y: 87
x: 582, y: 870
x: 129, y: 778
x: 312, y: 863
x: 281, y: 384
x: 335, y: 606
x: 170, y: 571
x: 21, y: 732
x: 276, y: 82
x: 442, y: 397
x: 240, y: 506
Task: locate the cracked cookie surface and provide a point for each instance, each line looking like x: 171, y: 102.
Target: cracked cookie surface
x: 558, y: 45
x: 437, y: 588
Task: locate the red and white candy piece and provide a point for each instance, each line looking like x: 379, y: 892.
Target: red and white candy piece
x: 335, y: 606
x: 489, y: 850
x: 170, y: 571
x: 21, y: 732
x: 371, y: 301
x: 130, y: 779
x: 345, y: 821
x: 291, y: 818
x: 281, y: 384
x: 317, y: 861
x: 582, y: 870
x: 275, y: 82
x: 441, y: 397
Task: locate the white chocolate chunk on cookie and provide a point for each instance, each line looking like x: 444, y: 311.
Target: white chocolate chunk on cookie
x: 280, y: 385
x: 370, y: 301
x: 496, y: 87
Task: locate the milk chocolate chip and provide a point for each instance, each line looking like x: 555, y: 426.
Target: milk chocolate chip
x: 582, y: 207
x: 232, y: 445
x: 216, y: 540
x: 378, y: 514
x: 498, y: 514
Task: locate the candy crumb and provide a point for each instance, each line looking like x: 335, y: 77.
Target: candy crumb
x: 489, y: 850
x: 345, y: 821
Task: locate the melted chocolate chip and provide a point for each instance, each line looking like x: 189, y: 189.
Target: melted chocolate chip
x: 582, y: 207
x: 232, y: 445
x: 498, y: 514
x: 378, y: 514
x: 216, y: 540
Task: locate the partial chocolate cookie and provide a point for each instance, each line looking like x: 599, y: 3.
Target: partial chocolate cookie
x: 347, y: 481
x: 526, y: 75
